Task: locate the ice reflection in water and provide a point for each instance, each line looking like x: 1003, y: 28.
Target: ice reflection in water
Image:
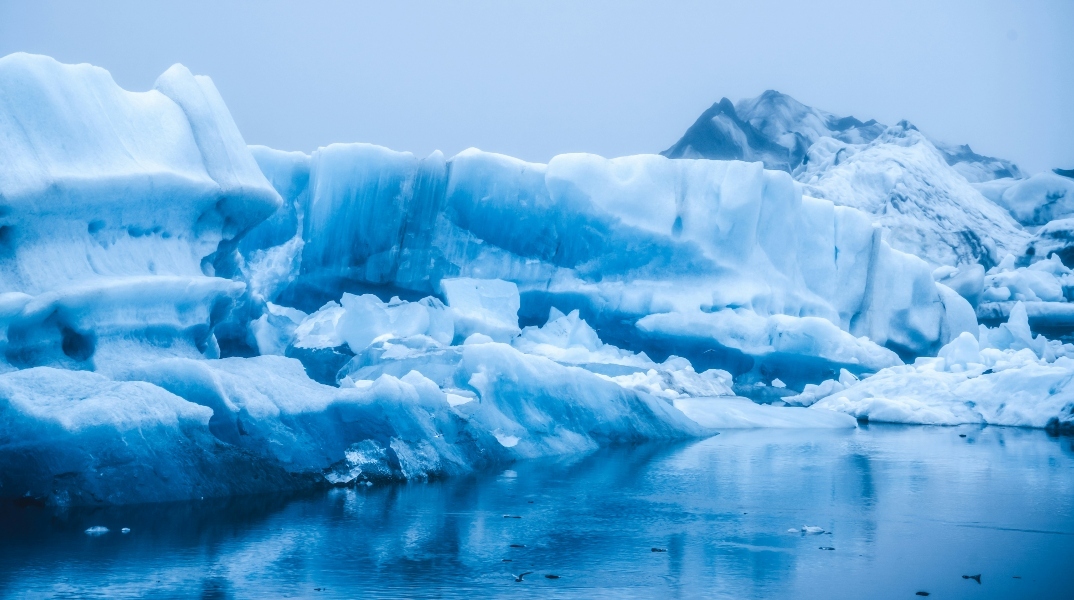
x: 909, y: 509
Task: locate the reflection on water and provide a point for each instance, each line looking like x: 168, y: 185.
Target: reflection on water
x: 909, y: 509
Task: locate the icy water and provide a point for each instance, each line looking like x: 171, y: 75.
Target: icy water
x: 909, y: 509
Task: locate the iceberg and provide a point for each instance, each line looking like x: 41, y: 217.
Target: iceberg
x: 186, y: 316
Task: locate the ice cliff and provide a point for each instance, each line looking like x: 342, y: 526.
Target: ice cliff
x: 183, y: 316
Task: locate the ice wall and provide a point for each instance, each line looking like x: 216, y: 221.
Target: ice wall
x: 620, y: 239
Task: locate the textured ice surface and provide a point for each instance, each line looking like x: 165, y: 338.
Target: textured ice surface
x: 1009, y: 377
x: 1033, y: 201
x: 927, y: 208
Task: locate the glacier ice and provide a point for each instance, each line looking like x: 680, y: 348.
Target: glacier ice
x: 618, y: 239
x: 183, y: 315
x: 118, y: 208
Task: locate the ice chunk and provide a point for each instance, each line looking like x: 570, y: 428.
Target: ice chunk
x: 488, y: 306
x: 274, y: 331
x: 758, y: 336
x: 1039, y: 199
x: 569, y: 339
x: 962, y: 351
x: 671, y: 380
x: 959, y: 315
x: 321, y: 329
x: 1009, y: 378
x: 1042, y: 281
x: 1015, y: 334
x: 966, y: 280
x: 365, y: 319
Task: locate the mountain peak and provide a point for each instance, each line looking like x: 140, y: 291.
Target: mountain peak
x: 777, y: 129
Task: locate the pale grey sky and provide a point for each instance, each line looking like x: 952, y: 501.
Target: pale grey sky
x: 534, y: 79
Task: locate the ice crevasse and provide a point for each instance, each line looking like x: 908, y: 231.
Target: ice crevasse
x: 182, y: 315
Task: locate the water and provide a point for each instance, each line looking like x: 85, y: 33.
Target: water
x: 909, y: 509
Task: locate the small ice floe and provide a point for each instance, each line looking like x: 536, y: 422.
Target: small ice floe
x: 776, y: 383
x: 125, y: 530
x: 811, y: 529
x: 792, y: 530
x: 509, y: 474
x: 97, y: 530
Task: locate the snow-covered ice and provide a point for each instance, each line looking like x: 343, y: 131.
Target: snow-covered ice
x: 927, y: 207
x: 1008, y: 377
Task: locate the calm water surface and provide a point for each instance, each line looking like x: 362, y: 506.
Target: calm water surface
x: 909, y: 509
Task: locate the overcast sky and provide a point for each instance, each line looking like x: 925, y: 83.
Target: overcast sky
x: 534, y: 79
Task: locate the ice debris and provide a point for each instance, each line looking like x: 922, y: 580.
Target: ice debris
x: 1008, y: 376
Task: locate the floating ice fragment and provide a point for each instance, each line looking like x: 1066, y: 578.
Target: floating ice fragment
x: 97, y: 530
x: 811, y: 529
x: 125, y: 530
x: 507, y: 441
